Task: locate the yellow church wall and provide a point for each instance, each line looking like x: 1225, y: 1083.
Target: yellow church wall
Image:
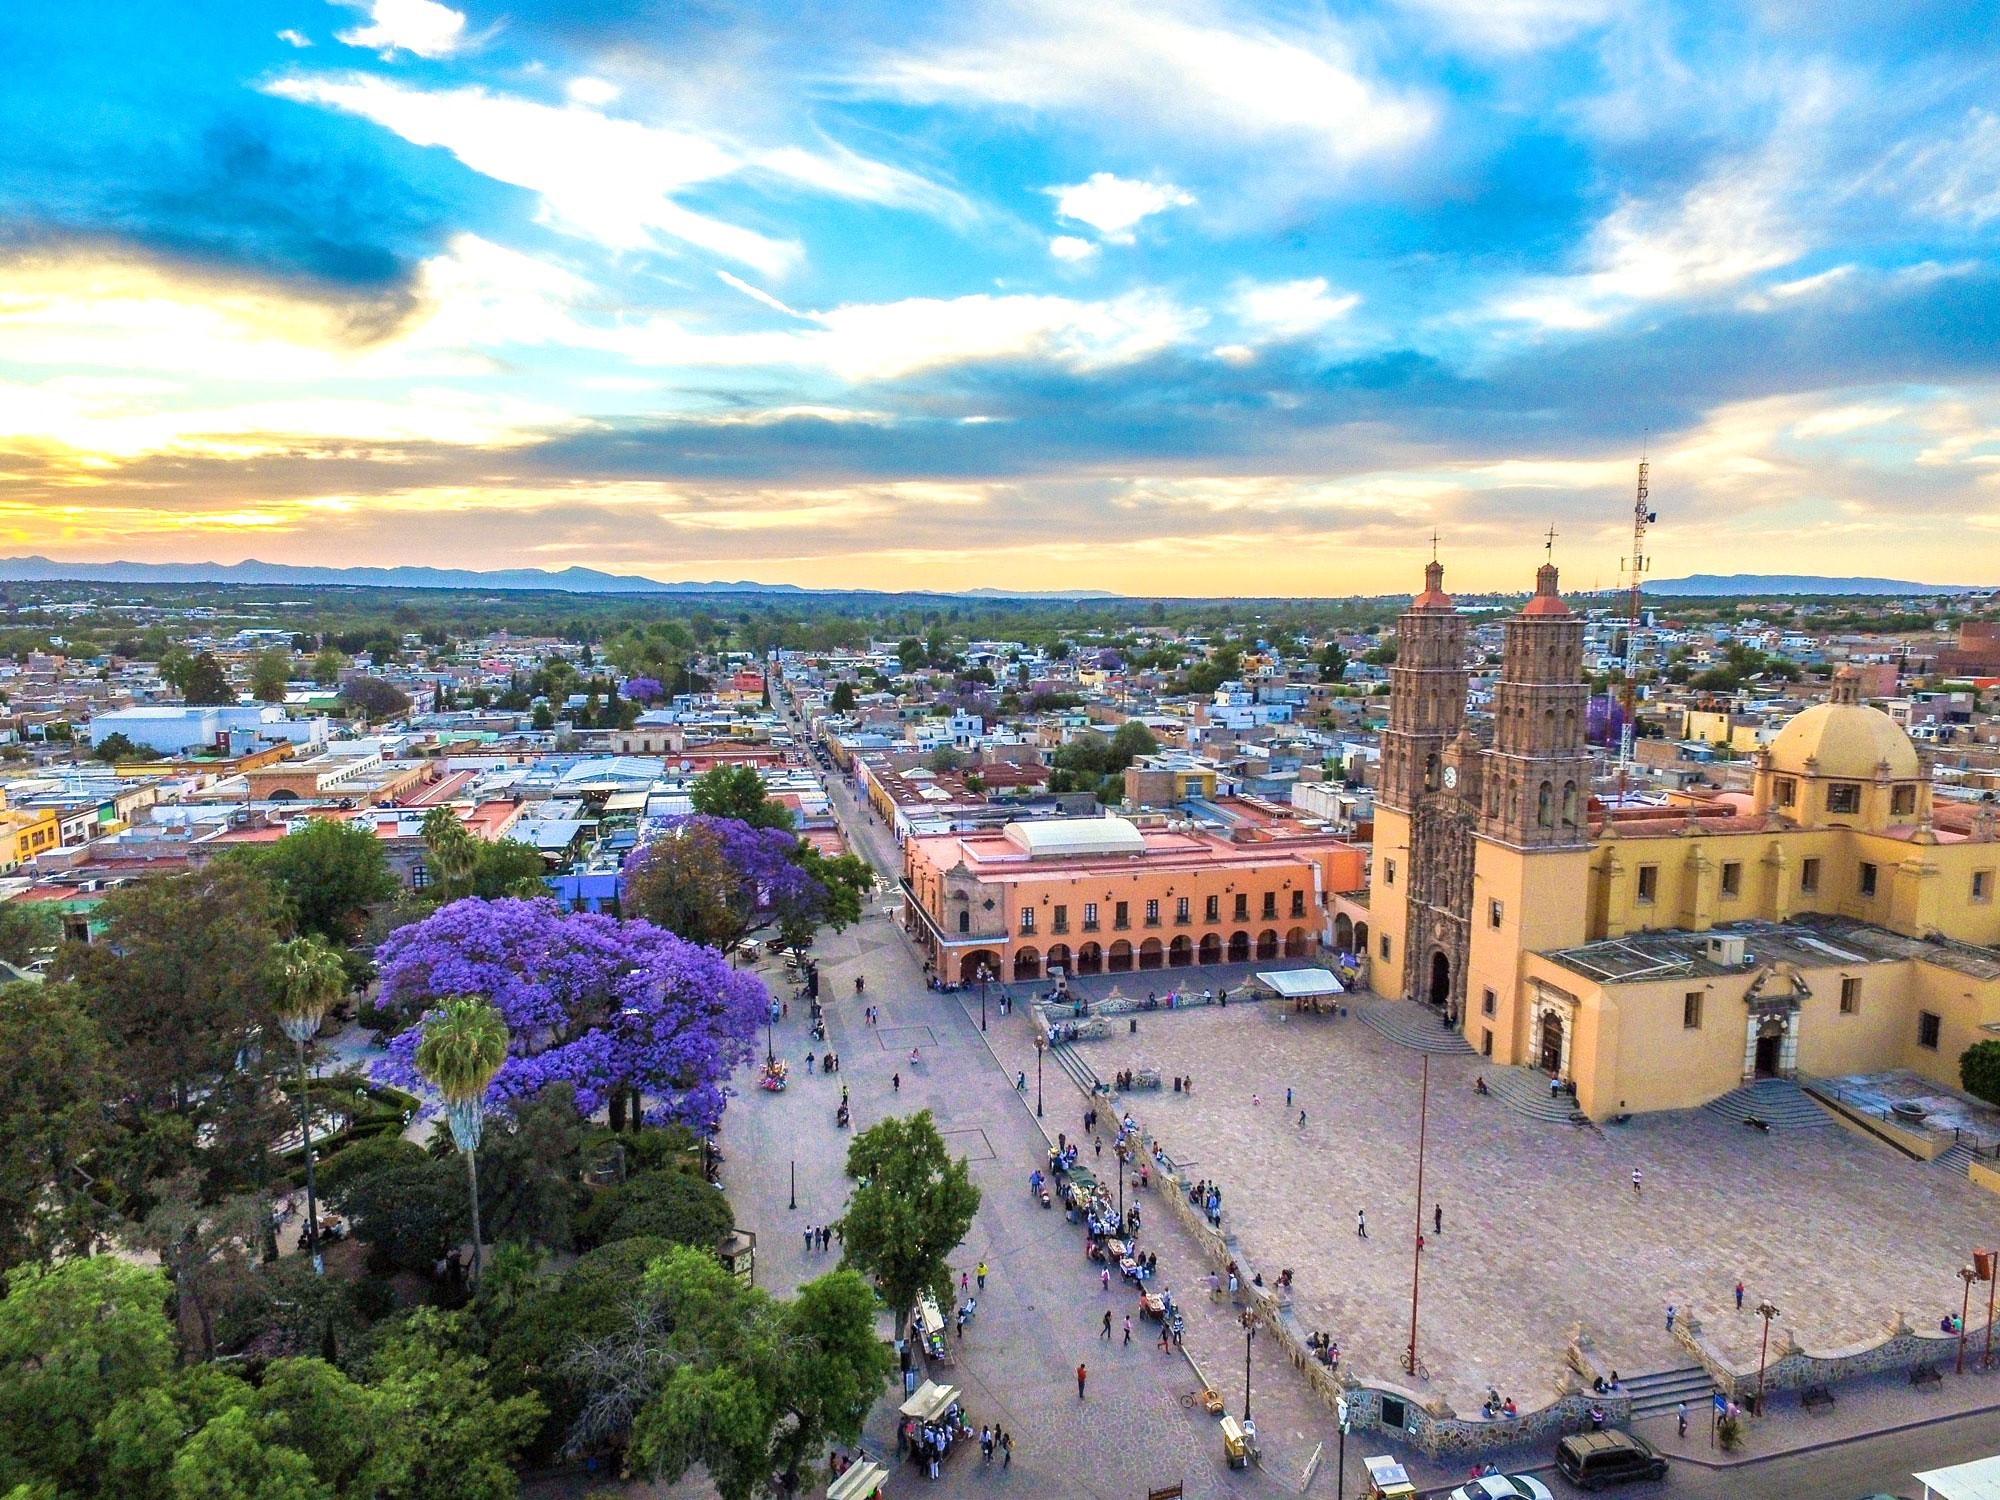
x: 1388, y: 902
x: 1539, y: 908
x: 1964, y: 1006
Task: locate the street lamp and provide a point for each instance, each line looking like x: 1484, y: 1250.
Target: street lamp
x: 770, y: 1048
x: 983, y: 971
x: 1767, y: 1312
x: 1967, y: 1275
x: 1249, y: 1333
x: 1040, y: 1047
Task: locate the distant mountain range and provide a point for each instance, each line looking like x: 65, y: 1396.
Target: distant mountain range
x: 569, y: 580
x: 1731, y: 585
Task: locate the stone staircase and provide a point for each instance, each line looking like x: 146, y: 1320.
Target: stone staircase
x: 1079, y: 1072
x: 1958, y: 1160
x: 1526, y: 1092
x: 1778, y: 1102
x: 1412, y: 1025
x: 1653, y: 1395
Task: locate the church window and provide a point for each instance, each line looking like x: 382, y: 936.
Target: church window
x: 1786, y: 790
x: 1569, y: 804
x: 1930, y: 1027
x: 1569, y: 726
x: 1691, y: 1010
x: 1850, y: 995
x: 1868, y: 878
x: 1732, y: 880
x: 1982, y: 885
x: 1430, y: 773
x: 1488, y: 1002
x: 1545, y: 806
x: 1495, y: 914
x: 1649, y: 884
x: 1844, y: 797
x: 1809, y: 876
x: 1903, y: 802
x: 965, y: 921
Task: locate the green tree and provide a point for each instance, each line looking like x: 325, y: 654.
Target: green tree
x: 197, y: 1245
x: 945, y: 758
x: 1332, y: 662
x: 1979, y: 1071
x: 329, y: 872
x: 451, y: 851
x: 116, y: 747
x: 442, y: 1434
x: 687, y: 885
x: 842, y: 701
x: 270, y: 675
x: 737, y: 792
x: 310, y: 978
x: 176, y: 661
x: 677, y: 1207
x: 28, y: 931
x: 910, y: 1208
x: 75, y: 1339
x: 327, y: 665
x: 409, y: 1213
x: 231, y: 1459
x: 137, y: 1441
x: 373, y: 699
x: 464, y: 1043
x: 205, y: 681
x: 54, y: 1090
x: 508, y: 867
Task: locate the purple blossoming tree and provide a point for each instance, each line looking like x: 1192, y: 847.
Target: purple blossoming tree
x: 610, y: 1007
x: 644, y: 689
x: 715, y: 880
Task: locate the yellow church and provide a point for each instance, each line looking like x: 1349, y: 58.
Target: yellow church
x: 1830, y: 921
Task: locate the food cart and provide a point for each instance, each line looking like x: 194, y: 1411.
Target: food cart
x: 932, y: 1413
x: 862, y: 1481
x: 931, y: 1329
x: 1239, y: 1442
x: 1388, y: 1480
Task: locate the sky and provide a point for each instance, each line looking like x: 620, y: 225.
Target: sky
x: 1170, y: 297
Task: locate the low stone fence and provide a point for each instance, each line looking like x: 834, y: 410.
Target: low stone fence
x: 1791, y: 1366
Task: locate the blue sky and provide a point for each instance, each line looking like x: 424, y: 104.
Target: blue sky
x: 1181, y: 298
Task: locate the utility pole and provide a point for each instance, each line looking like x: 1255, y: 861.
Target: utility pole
x: 1410, y: 1362
x: 1967, y: 1275
x: 1636, y: 566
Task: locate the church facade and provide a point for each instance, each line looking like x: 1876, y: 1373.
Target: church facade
x: 1830, y: 921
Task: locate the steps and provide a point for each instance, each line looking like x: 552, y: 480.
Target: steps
x: 1412, y: 1025
x: 1778, y: 1102
x: 1958, y: 1160
x: 1078, y: 1071
x: 1658, y: 1394
x: 1526, y: 1092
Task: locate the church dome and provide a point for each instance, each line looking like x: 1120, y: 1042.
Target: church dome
x: 1847, y: 741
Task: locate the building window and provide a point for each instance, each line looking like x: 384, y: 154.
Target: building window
x: 1649, y: 884
x: 1786, y: 790
x: 1496, y: 913
x: 1732, y: 880
x: 1809, y: 877
x: 1385, y: 947
x: 1181, y: 911
x: 1211, y: 909
x: 1061, y: 923
x: 420, y: 876
x: 1488, y: 1001
x: 1903, y: 802
x: 1027, y: 919
x: 1691, y: 1010
x: 1930, y: 1027
x: 1868, y: 873
x: 965, y: 921
x: 1982, y: 885
x: 1298, y: 903
x: 1844, y: 797
x: 1090, y: 916
x: 1270, y: 904
x: 1121, y: 914
x: 1850, y: 996
x: 1152, y: 914
x: 1388, y: 872
x: 1243, y: 907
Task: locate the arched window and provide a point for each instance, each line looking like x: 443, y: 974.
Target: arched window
x: 1569, y: 804
x: 1430, y: 773
x: 1544, y: 806
x: 1569, y: 726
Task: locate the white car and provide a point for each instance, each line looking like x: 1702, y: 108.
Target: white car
x: 1503, y: 1487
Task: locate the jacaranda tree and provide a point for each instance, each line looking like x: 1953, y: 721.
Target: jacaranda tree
x: 716, y: 880
x: 612, y: 1008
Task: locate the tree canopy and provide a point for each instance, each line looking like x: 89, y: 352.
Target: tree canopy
x: 737, y: 792
x: 911, y: 1206
x: 372, y: 698
x: 329, y: 872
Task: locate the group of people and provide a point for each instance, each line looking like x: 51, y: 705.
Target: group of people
x: 1495, y: 1406
x: 927, y: 1443
x: 829, y: 1063
x: 1324, y: 1349
x: 1207, y: 1197
x: 819, y: 1236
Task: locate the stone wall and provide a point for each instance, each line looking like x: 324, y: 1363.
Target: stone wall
x: 1791, y: 1366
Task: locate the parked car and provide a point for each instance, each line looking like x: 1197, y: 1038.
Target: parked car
x: 1592, y: 1460
x: 1503, y: 1487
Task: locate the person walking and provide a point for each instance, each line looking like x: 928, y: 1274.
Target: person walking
x: 1670, y: 1317
x: 1437, y: 1219
x: 1006, y: 1448
x: 1288, y: 1098
x: 1739, y: 1296
x: 1637, y: 1190
x: 1361, y: 1223
x: 1302, y: 1117
x: 1681, y: 1418
x: 809, y: 1239
x: 982, y: 1276
x: 896, y: 1083
x: 1104, y: 1278
x: 1082, y: 1374
x: 1106, y: 1334
x: 1128, y: 1331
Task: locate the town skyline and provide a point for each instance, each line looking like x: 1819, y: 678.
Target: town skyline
x: 1206, y: 299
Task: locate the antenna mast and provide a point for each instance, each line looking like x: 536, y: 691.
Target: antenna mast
x: 1636, y: 567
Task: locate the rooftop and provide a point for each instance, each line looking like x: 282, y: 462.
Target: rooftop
x: 1810, y: 941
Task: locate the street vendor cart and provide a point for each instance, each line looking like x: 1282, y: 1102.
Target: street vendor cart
x: 931, y: 1330
x: 1239, y: 1442
x: 1388, y: 1480
x: 774, y: 1076
x: 862, y: 1481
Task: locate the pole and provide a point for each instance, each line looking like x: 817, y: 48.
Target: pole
x: 795, y: 1186
x: 1249, y: 1333
x: 982, y: 997
x: 1992, y: 1281
x: 770, y: 1050
x: 1966, y: 1275
x: 1038, y: 1081
x: 1417, y: 1251
x: 1340, y: 1467
x: 1767, y: 1312
x: 312, y: 1188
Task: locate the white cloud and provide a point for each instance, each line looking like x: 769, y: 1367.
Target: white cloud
x: 1112, y: 205
x: 1511, y: 25
x: 610, y: 180
x: 1288, y: 309
x: 1959, y: 178
x: 1182, y: 66
x: 421, y: 27
x: 294, y: 38
x: 596, y: 91
x: 1068, y: 247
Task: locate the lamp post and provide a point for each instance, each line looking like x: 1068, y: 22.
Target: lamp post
x: 770, y: 1048
x: 795, y: 1186
x: 1967, y: 1275
x: 982, y: 996
x: 1410, y: 1361
x: 1983, y: 1262
x: 1767, y: 1312
x: 1040, y: 1047
x: 1249, y: 1333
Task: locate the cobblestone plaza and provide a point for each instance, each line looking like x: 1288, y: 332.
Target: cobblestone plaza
x: 1543, y: 1230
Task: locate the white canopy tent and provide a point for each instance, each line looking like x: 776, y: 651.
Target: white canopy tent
x: 1978, y: 1480
x: 1302, y: 984
x: 859, y: 1482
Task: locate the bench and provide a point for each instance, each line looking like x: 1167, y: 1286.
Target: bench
x: 1921, y: 1375
x: 1813, y: 1397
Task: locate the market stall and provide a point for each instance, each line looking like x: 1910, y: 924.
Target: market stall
x: 1315, y: 990
x: 933, y: 1424
x: 931, y: 1329
x: 861, y: 1481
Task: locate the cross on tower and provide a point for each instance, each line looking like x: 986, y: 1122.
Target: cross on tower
x: 1434, y: 544
x: 1550, y: 546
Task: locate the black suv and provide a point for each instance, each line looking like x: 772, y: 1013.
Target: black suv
x: 1591, y: 1460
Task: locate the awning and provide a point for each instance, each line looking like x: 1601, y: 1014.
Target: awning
x: 858, y: 1482
x: 1978, y: 1480
x: 928, y: 1314
x: 1302, y: 984
x: 930, y: 1402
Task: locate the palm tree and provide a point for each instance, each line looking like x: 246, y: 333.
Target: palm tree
x: 310, y: 978
x: 464, y: 1043
x: 452, y: 850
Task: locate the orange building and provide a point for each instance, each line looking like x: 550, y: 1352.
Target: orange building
x: 1101, y: 895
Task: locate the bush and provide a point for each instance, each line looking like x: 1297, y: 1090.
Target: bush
x: 672, y: 1206
x: 339, y: 1171
x: 410, y: 1215
x: 1979, y: 1071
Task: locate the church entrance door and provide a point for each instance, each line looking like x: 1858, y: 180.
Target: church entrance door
x: 1767, y: 1055
x: 1440, y: 994
x: 1552, y: 1043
